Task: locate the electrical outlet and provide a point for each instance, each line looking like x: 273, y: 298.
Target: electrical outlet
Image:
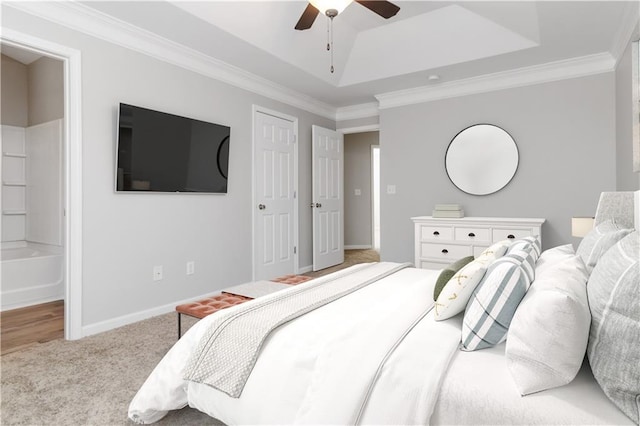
x: 191, y: 267
x: 358, y: 192
x: 157, y: 273
x: 391, y: 189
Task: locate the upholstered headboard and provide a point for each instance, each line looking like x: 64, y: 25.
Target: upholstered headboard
x: 620, y: 206
x: 637, y: 204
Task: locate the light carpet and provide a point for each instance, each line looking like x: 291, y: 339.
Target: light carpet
x: 89, y: 381
x: 92, y: 381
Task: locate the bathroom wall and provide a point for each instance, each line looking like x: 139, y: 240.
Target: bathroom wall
x: 46, y: 90
x: 32, y: 100
x: 13, y: 84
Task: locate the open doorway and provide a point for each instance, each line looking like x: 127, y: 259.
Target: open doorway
x: 71, y: 169
x: 32, y: 197
x: 361, y: 192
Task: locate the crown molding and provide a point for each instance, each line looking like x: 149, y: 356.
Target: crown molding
x: 359, y: 129
x: 100, y: 25
x: 626, y: 31
x: 352, y: 112
x: 552, y: 71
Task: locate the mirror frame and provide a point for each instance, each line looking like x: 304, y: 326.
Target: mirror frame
x: 515, y: 171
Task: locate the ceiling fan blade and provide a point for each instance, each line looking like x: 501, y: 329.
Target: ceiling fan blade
x: 386, y: 9
x: 307, y: 18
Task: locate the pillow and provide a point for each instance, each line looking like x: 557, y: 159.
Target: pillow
x: 447, y: 273
x: 526, y: 257
x: 456, y: 293
x: 494, y: 301
x: 495, y: 251
x: 614, y: 349
x: 598, y: 241
x: 552, y: 256
x: 526, y: 241
x: 547, y: 339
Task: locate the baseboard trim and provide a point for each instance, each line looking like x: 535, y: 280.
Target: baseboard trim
x: 110, y: 324
x: 35, y: 295
x: 39, y: 301
x: 358, y: 247
x: 305, y: 269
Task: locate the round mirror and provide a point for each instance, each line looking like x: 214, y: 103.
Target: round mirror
x: 481, y: 159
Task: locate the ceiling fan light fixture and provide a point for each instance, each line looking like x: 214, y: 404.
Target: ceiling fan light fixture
x: 324, y: 5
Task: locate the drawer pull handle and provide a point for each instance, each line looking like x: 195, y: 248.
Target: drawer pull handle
x: 511, y: 236
x: 471, y: 234
x: 445, y: 251
x: 436, y: 233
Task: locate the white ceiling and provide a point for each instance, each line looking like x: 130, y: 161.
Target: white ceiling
x: 454, y: 40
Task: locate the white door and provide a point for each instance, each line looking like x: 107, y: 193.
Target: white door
x: 327, y: 198
x: 274, y: 196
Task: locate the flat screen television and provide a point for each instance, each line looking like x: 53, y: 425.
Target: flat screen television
x: 160, y: 152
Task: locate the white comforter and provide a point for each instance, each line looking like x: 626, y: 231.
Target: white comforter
x: 332, y: 365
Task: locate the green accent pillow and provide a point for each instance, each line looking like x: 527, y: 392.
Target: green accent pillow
x: 449, y: 272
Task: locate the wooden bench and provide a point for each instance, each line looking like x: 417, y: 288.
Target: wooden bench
x: 202, y: 308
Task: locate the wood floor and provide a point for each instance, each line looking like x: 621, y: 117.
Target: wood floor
x: 351, y: 257
x: 29, y: 326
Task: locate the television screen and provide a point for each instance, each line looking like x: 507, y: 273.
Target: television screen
x: 163, y: 152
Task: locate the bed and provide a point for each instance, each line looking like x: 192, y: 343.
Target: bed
x: 373, y: 352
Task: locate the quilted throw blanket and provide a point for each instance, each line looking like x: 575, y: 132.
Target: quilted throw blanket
x: 226, y: 354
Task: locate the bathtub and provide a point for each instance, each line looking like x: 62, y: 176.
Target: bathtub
x: 31, y: 274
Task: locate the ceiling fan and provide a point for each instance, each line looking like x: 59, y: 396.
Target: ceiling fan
x: 332, y: 8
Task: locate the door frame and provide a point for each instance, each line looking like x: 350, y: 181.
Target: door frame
x: 72, y: 169
x: 364, y: 129
x: 256, y: 109
x: 373, y: 205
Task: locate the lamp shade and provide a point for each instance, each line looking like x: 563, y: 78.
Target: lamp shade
x: 324, y: 5
x: 580, y: 226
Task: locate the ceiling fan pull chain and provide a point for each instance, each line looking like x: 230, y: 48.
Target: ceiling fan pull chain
x: 331, y: 41
x: 328, y: 35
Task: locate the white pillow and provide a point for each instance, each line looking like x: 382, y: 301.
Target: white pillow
x: 456, y: 293
x: 550, y: 257
x: 548, y: 336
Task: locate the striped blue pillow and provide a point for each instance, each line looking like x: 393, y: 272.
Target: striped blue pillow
x: 525, y: 242
x: 495, y: 300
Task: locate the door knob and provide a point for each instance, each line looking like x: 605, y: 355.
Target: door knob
x: 318, y: 205
x: 262, y: 206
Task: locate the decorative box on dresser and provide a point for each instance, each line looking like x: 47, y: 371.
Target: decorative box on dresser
x: 440, y: 241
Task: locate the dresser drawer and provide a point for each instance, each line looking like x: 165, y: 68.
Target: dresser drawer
x: 510, y: 234
x: 473, y: 235
x: 444, y: 252
x: 436, y: 233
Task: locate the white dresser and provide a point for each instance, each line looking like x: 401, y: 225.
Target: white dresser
x: 440, y: 241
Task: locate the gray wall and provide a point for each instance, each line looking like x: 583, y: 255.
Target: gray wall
x: 357, y: 175
x: 565, y: 133
x: 46, y: 90
x: 626, y: 179
x: 125, y: 235
x: 13, y: 86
